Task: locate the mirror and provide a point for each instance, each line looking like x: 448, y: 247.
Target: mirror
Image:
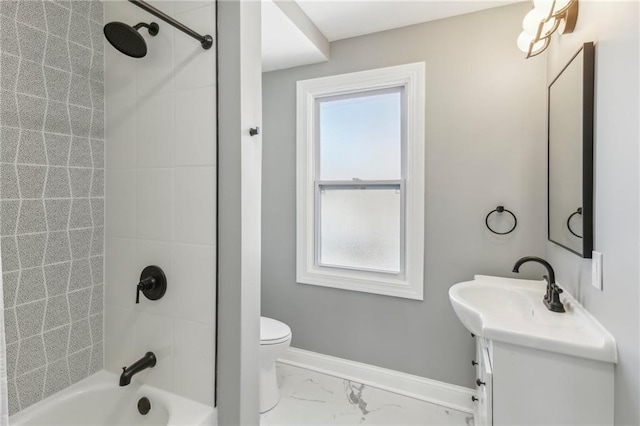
x: 570, y: 154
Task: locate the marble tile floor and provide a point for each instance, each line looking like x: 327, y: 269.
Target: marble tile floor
x: 308, y: 398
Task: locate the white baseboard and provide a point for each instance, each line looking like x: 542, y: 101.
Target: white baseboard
x: 433, y: 391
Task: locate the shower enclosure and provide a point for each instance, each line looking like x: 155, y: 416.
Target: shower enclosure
x: 160, y: 195
x: 107, y: 166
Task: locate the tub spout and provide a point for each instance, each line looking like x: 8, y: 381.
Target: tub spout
x: 147, y: 361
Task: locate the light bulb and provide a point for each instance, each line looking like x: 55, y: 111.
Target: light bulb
x: 524, y: 41
x: 532, y: 21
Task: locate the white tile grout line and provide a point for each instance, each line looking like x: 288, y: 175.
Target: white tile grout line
x: 15, y: 95
x: 46, y: 222
x: 71, y: 204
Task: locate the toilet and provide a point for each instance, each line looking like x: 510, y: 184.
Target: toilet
x: 275, y: 337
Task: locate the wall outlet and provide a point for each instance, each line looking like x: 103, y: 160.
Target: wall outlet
x: 596, y: 270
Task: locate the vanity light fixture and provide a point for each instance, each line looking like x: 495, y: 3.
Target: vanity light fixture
x: 543, y: 20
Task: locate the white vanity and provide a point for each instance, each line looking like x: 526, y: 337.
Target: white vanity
x: 535, y: 367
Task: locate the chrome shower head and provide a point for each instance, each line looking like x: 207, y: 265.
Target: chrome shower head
x: 127, y: 39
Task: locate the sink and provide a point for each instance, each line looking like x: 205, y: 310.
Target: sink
x: 511, y: 311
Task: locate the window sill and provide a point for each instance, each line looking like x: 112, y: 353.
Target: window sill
x: 392, y: 286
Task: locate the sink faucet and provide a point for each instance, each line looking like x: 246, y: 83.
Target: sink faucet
x: 147, y: 361
x: 552, y: 297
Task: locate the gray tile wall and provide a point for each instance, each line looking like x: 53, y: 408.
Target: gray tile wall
x: 51, y: 193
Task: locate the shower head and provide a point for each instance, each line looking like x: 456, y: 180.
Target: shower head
x: 127, y: 39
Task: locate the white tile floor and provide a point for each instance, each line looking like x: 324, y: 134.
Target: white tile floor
x: 309, y: 398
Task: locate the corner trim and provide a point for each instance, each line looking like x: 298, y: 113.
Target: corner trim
x: 421, y: 388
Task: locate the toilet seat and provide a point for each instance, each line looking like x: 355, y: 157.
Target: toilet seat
x: 273, y: 332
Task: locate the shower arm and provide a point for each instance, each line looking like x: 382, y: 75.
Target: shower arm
x: 206, y: 41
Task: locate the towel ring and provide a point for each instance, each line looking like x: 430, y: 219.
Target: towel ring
x: 501, y: 209
x: 579, y: 211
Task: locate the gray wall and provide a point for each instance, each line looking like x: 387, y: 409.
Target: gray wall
x: 613, y: 26
x: 52, y: 208
x: 485, y: 146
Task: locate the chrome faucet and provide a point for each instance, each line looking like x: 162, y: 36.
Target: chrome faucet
x: 147, y: 361
x: 552, y: 297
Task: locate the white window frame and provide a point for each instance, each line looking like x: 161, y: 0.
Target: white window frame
x: 409, y: 283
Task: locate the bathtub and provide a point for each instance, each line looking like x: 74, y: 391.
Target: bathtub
x: 99, y: 401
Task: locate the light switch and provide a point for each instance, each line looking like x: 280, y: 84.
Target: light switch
x: 596, y: 270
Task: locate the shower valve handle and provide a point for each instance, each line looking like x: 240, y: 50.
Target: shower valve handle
x: 146, y: 284
x: 153, y: 283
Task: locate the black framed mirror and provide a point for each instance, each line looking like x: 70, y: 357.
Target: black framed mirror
x: 570, y: 154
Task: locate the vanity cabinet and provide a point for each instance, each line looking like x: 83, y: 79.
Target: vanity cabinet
x: 518, y: 385
x: 484, y: 384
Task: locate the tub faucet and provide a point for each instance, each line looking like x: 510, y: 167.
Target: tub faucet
x: 147, y: 361
x: 552, y: 297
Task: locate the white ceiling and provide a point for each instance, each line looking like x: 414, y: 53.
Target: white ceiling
x: 284, y: 43
x: 339, y: 19
x: 288, y: 41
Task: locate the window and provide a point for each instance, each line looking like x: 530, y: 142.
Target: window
x: 360, y: 181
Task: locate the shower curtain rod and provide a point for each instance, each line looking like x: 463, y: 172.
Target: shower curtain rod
x: 206, y: 41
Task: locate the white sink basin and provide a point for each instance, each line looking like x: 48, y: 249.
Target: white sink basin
x: 511, y: 311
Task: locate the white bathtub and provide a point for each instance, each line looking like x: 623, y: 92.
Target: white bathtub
x: 99, y: 401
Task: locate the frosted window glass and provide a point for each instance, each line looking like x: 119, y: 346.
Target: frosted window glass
x: 360, y: 228
x: 361, y: 137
